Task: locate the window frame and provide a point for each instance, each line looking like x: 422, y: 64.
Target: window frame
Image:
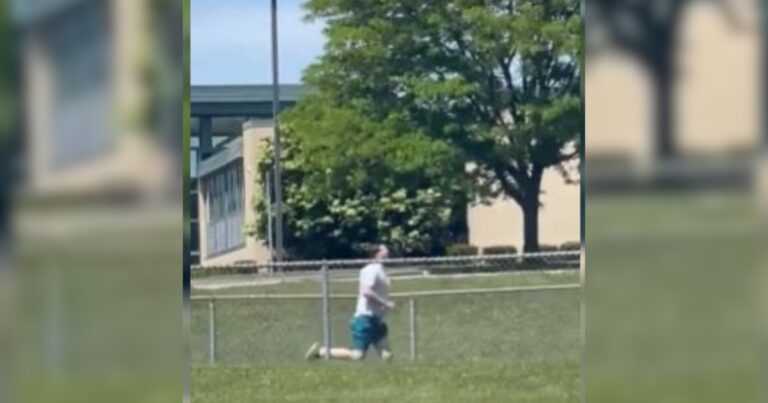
x: 225, y: 199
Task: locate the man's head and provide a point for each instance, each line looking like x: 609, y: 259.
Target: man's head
x: 381, y: 253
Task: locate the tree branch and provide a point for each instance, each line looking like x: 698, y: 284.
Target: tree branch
x: 572, y: 76
x: 480, y: 110
x: 609, y: 11
x: 510, y: 188
x: 505, y: 66
x: 537, y: 171
x: 491, y: 88
x: 568, y: 156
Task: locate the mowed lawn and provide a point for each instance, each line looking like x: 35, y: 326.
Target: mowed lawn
x: 520, y: 346
x: 400, y: 284
x: 399, y: 382
x: 672, y: 311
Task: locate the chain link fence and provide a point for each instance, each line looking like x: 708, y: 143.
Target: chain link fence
x: 564, y: 259
x: 524, y: 307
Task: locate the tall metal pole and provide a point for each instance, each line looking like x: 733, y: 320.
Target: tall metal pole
x: 277, y: 182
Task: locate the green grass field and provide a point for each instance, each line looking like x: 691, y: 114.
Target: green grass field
x: 480, y: 348
x: 422, y: 383
x: 408, y: 283
x: 671, y: 297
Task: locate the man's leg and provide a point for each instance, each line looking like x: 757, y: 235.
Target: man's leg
x: 384, y: 350
x: 381, y: 340
x: 362, y: 337
x: 336, y: 353
x: 343, y: 354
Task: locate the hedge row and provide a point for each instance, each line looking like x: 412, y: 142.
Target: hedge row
x: 471, y: 250
x: 462, y: 250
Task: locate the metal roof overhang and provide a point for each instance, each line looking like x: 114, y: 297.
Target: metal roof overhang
x: 240, y: 100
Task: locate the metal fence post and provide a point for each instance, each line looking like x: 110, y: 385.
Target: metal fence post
x: 55, y: 319
x: 212, y: 330
x: 413, y: 329
x: 326, y: 313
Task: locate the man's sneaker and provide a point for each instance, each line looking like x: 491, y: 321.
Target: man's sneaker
x: 313, y: 353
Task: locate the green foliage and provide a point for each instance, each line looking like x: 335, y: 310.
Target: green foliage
x: 158, y: 64
x: 548, y: 248
x: 8, y: 86
x: 498, y: 80
x: 571, y: 245
x: 351, y: 182
x: 462, y: 249
x: 499, y: 250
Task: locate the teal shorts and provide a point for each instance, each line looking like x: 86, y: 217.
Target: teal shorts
x: 367, y: 330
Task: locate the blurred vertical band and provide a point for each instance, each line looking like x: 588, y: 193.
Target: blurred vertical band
x: 7, y: 123
x: 673, y: 125
x: 8, y: 140
x: 186, y: 155
x: 186, y: 210
x: 98, y: 200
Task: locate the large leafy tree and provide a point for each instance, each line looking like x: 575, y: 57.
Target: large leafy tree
x: 350, y: 182
x: 496, y: 79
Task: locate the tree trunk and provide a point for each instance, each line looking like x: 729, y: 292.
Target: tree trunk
x: 530, y: 205
x: 664, y: 94
x: 531, y: 225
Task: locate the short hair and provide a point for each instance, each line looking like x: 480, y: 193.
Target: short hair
x: 379, y: 250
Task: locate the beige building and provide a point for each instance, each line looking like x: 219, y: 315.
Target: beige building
x: 501, y: 222
x: 718, y: 90
x: 227, y: 194
x: 230, y: 124
x: 82, y: 84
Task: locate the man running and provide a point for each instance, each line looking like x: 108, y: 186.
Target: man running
x: 367, y: 326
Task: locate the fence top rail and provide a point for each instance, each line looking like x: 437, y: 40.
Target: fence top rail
x: 396, y: 261
x: 415, y: 294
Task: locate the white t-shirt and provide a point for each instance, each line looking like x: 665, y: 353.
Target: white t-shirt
x: 373, y: 276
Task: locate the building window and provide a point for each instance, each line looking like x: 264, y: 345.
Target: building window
x: 223, y: 192
x: 194, y: 223
x: 78, y: 45
x: 193, y: 163
x: 194, y: 246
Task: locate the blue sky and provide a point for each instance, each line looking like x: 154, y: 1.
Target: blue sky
x: 230, y: 41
